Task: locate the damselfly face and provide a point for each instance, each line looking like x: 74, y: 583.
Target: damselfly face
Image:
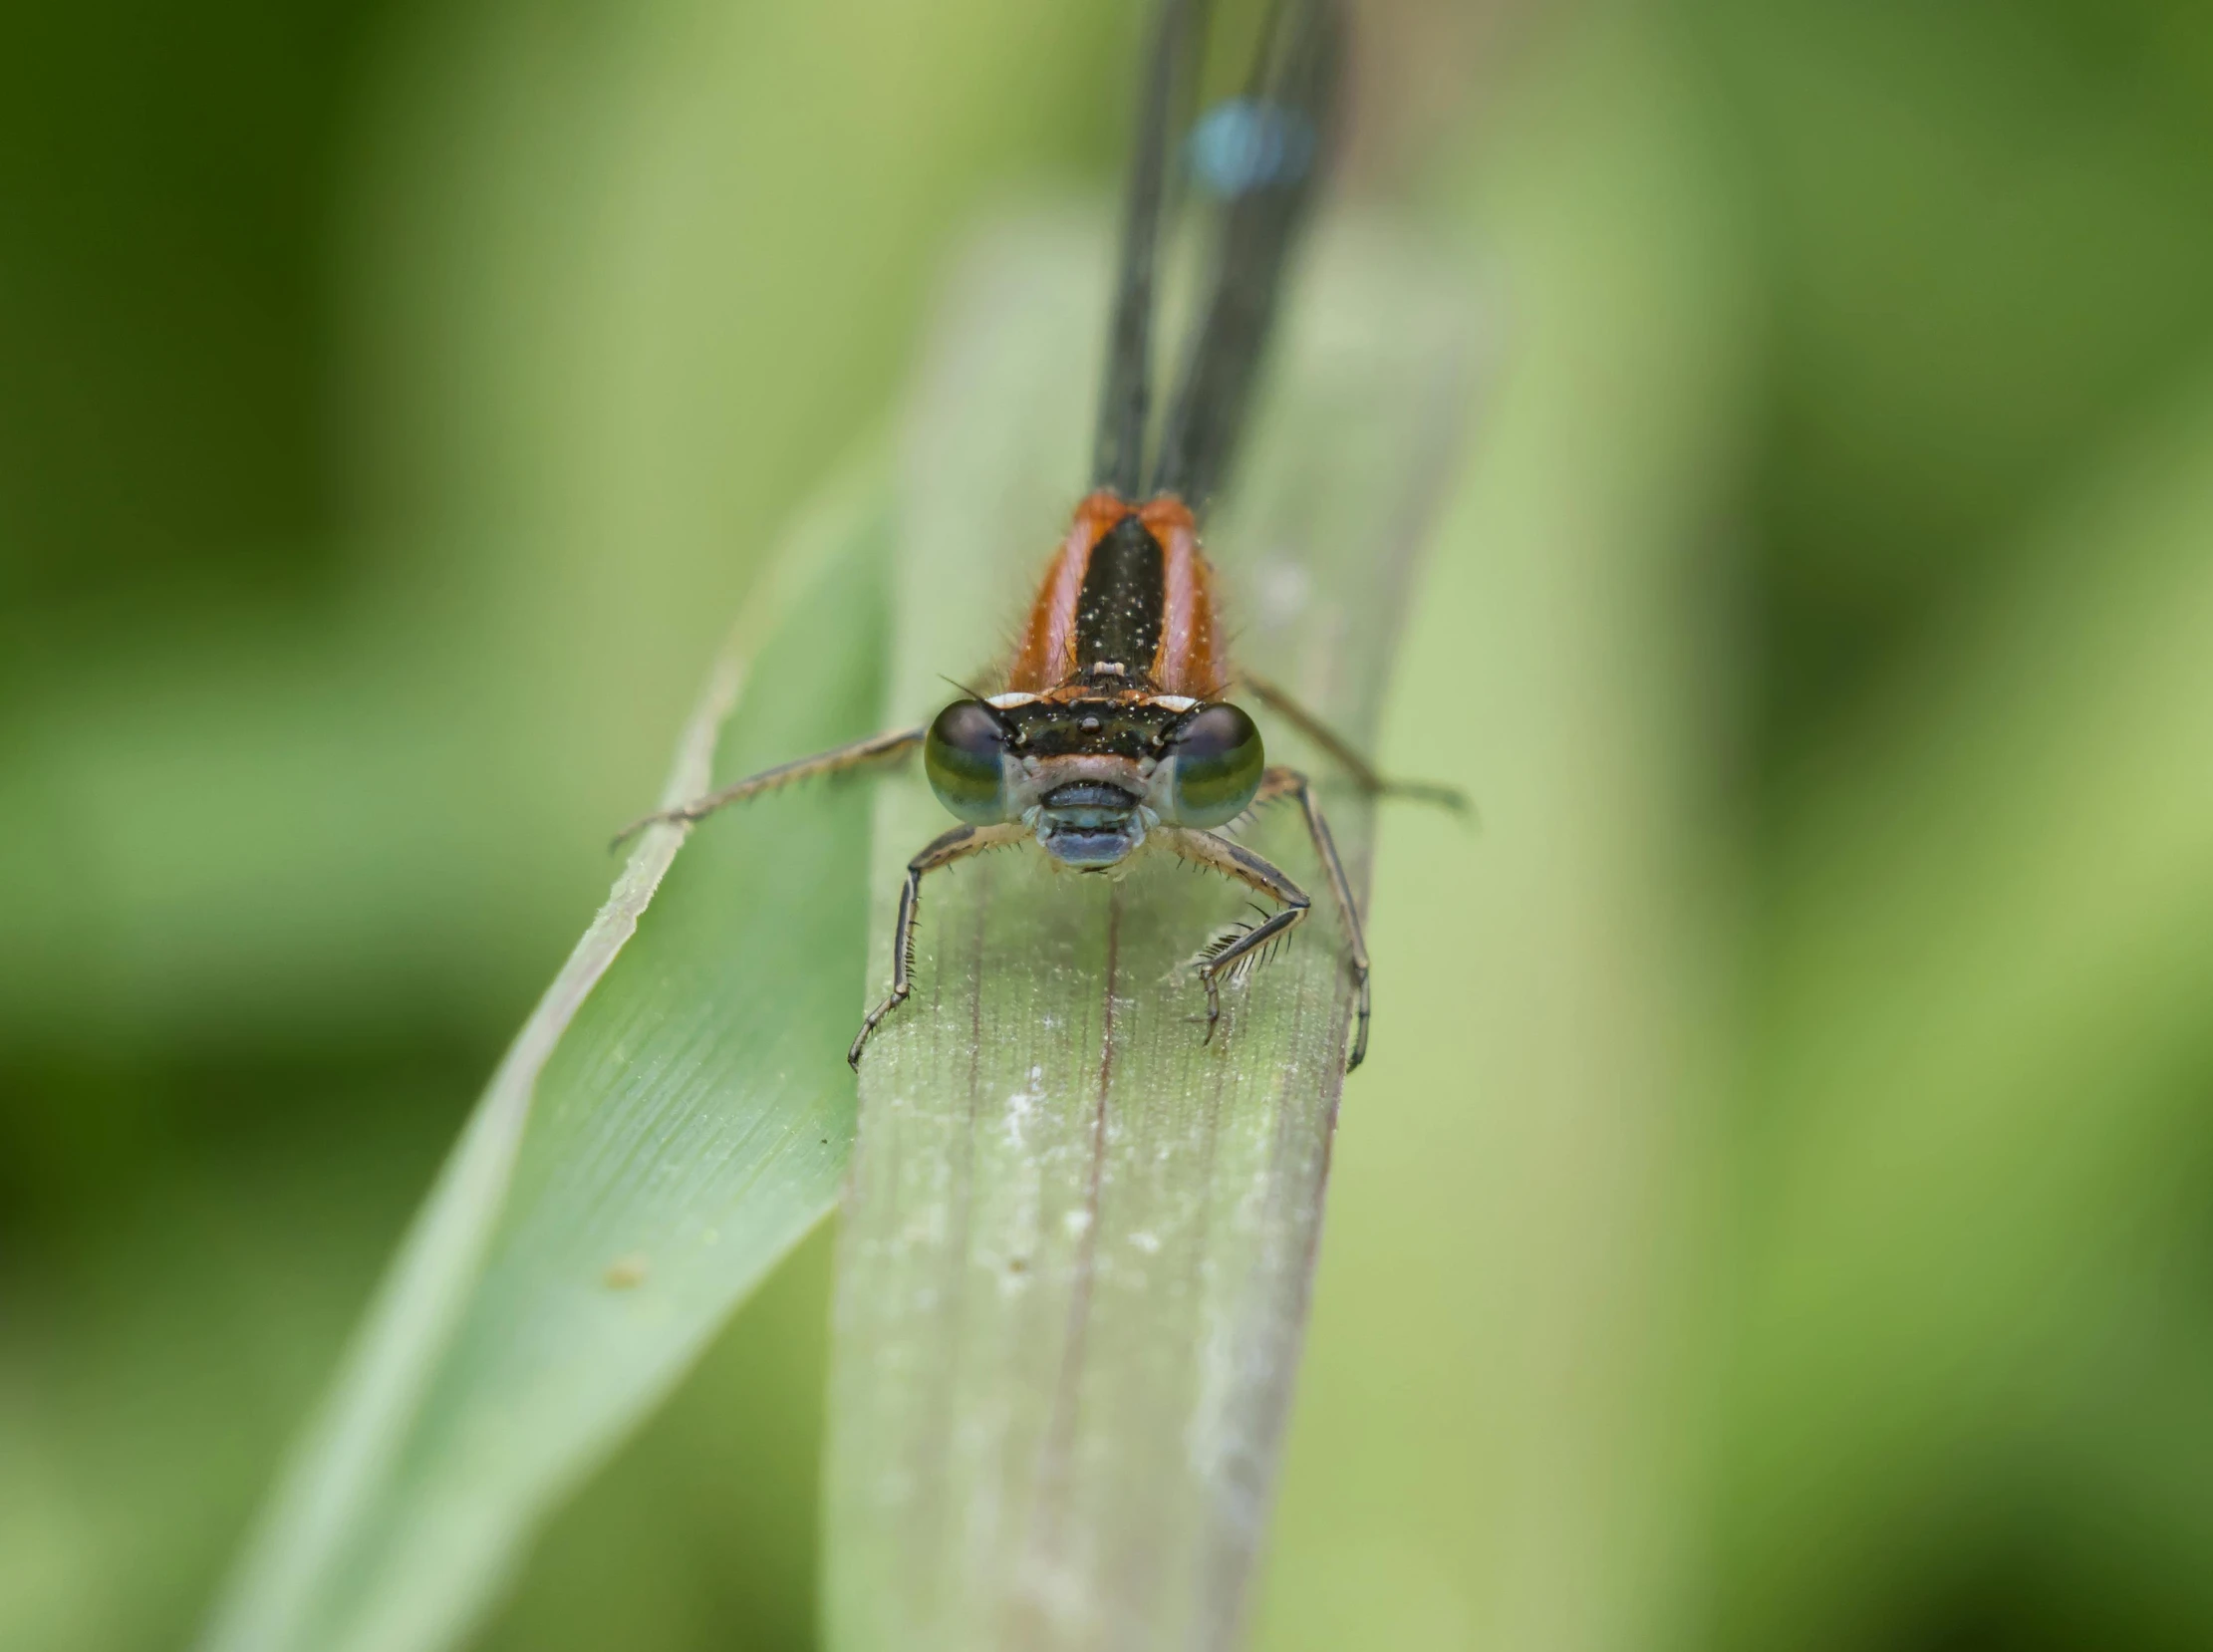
x: 1090, y: 772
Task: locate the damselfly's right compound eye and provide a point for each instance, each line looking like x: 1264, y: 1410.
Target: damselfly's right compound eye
x: 1218, y: 760
x: 965, y: 755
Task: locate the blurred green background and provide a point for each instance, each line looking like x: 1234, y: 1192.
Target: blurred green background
x: 1777, y: 1215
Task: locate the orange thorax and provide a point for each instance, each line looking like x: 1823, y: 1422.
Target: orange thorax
x: 1128, y: 580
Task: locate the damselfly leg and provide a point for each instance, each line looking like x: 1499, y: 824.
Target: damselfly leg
x: 1233, y: 860
x: 957, y: 844
x: 875, y: 749
x: 1357, y: 768
x: 1289, y: 782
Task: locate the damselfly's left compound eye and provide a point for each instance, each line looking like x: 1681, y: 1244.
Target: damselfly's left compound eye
x: 965, y: 757
x: 1218, y: 762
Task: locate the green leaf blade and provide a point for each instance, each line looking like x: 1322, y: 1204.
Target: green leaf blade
x: 674, y: 1118
x: 1079, y: 1235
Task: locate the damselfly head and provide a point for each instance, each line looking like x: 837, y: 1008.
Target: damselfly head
x: 1091, y: 776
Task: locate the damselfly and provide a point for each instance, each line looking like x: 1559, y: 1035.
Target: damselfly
x: 1112, y: 730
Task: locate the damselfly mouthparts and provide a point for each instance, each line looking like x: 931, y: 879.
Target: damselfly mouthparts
x: 1112, y: 730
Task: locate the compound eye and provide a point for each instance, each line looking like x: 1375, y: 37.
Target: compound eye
x: 1218, y: 760
x: 964, y: 756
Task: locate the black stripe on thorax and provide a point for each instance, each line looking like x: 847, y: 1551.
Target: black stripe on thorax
x: 1119, y: 609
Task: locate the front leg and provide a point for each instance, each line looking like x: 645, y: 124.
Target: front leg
x: 1233, y: 860
x: 957, y: 844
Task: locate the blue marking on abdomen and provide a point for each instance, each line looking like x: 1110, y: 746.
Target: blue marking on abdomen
x: 1243, y: 145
